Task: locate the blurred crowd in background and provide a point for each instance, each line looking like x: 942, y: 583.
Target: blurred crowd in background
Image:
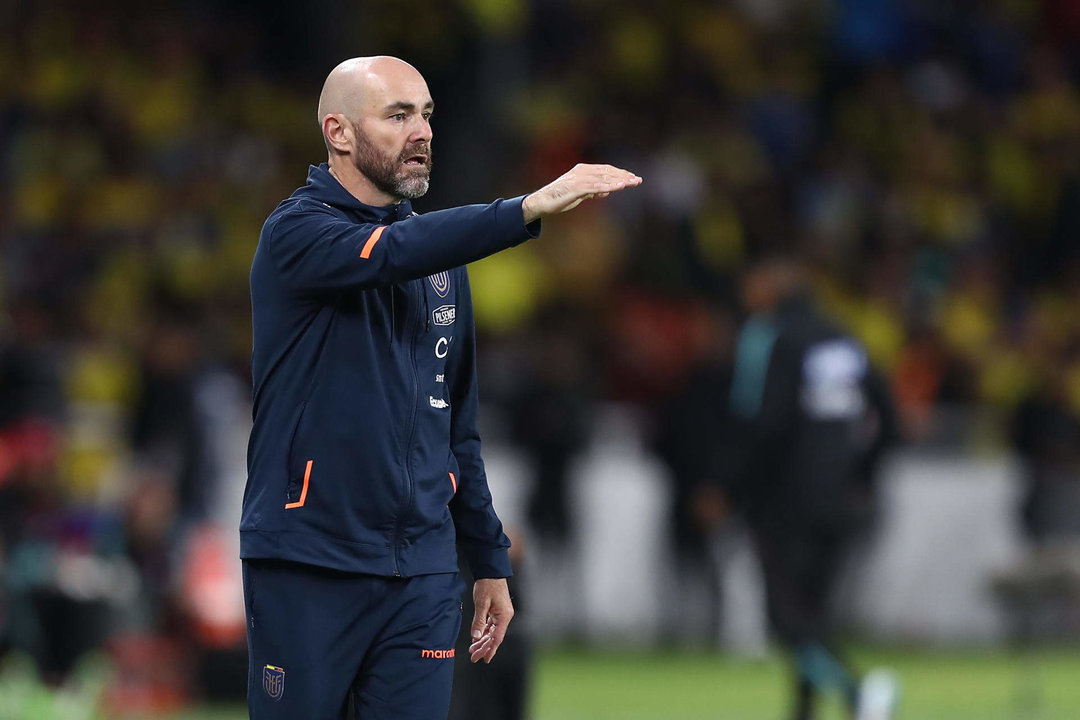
x: 920, y: 156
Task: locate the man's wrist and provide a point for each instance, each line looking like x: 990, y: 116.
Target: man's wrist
x: 527, y: 212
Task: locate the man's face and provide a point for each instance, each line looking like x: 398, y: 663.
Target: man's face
x: 393, y: 136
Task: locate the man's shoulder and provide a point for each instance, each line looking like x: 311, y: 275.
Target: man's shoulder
x: 299, y: 209
x: 300, y: 204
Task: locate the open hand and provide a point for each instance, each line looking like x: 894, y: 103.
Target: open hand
x: 583, y: 182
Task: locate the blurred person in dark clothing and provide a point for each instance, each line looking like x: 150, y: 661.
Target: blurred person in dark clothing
x: 29, y: 368
x: 180, y: 425
x: 1046, y: 435
x: 688, y: 427
x: 811, y: 420
x: 495, y: 691
x: 167, y: 430
x: 551, y: 418
x: 169, y: 439
x: 30, y: 404
x: 60, y: 572
x: 31, y: 397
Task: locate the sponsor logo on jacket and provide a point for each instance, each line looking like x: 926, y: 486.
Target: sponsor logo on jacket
x: 440, y: 283
x: 444, y: 315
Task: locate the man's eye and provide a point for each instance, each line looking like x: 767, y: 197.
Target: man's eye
x: 427, y: 116
x: 398, y: 116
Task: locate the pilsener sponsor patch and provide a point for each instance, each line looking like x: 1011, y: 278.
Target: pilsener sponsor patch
x: 444, y: 315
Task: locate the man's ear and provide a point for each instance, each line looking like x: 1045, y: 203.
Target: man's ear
x: 338, y: 133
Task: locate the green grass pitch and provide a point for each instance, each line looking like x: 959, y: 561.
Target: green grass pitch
x: 936, y: 685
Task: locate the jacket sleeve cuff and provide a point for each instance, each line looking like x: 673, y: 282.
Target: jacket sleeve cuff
x: 511, y: 219
x: 488, y: 562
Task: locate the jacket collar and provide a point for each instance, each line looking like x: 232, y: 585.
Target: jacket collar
x: 325, y: 188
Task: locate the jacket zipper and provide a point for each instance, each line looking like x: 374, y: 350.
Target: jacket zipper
x: 413, y: 325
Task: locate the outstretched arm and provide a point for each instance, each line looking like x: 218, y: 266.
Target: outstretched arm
x: 316, y: 250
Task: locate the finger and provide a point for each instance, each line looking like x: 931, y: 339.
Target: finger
x: 484, y: 640
x: 601, y: 190
x: 497, y: 636
x: 485, y: 636
x: 481, y: 643
x: 480, y: 617
x: 479, y: 649
x: 484, y: 648
x: 614, y: 183
x: 609, y: 170
x: 614, y: 173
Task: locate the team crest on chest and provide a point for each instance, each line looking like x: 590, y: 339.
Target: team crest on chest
x: 441, y: 283
x: 273, y: 681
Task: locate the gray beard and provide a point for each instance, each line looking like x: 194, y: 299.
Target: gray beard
x: 390, y: 174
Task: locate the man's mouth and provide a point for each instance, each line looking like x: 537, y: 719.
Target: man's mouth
x: 419, y: 160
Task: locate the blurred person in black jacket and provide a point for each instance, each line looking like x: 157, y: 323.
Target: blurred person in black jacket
x: 688, y: 427
x: 1046, y: 435
x: 496, y: 691
x: 811, y: 420
x: 550, y: 418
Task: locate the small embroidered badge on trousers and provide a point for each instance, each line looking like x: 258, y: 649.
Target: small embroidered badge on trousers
x: 274, y: 681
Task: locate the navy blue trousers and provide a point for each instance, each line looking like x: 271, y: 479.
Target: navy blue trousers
x: 329, y: 645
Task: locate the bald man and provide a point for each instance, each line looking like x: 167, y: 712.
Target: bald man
x: 364, y: 468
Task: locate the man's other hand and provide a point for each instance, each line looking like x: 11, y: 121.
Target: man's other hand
x: 493, y: 614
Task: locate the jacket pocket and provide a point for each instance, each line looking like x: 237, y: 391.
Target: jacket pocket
x: 298, y: 470
x: 453, y: 476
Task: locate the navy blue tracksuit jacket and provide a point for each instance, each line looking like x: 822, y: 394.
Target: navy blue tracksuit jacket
x: 364, y: 455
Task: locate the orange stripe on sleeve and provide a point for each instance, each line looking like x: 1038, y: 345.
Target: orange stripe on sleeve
x: 453, y: 481
x: 303, y: 491
x: 370, y: 244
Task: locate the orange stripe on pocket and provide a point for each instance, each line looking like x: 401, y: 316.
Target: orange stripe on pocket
x: 453, y: 481
x: 303, y: 491
x: 372, y: 239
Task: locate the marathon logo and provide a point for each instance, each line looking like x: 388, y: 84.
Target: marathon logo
x: 437, y: 403
x: 444, y: 315
x: 437, y: 654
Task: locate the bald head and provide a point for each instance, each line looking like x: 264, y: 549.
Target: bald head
x: 354, y: 85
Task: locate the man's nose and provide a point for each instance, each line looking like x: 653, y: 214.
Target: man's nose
x: 421, y: 131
